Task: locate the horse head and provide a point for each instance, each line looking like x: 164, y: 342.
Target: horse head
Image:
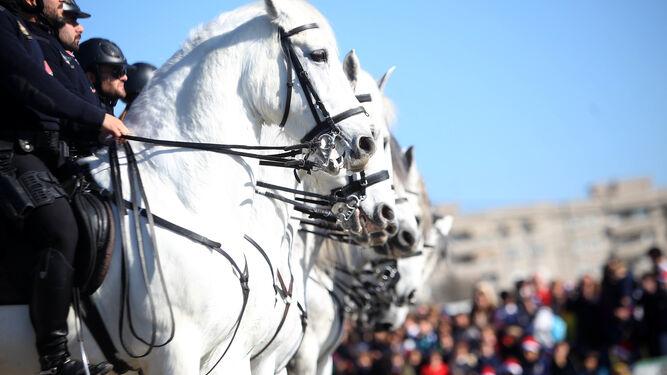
x: 373, y: 220
x: 322, y: 108
x: 414, y: 273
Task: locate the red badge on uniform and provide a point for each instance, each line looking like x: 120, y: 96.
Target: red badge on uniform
x: 47, y: 68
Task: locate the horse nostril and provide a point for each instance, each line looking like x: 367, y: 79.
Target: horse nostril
x: 387, y: 213
x: 407, y: 238
x: 391, y: 229
x: 366, y: 145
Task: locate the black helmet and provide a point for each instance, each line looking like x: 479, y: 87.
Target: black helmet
x: 138, y: 75
x: 70, y: 6
x: 98, y: 51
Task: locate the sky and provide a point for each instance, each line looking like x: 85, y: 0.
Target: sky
x: 507, y: 102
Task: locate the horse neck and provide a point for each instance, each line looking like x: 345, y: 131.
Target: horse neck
x: 203, y: 95
x: 344, y: 255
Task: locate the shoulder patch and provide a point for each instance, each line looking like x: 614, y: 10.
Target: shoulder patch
x: 47, y: 68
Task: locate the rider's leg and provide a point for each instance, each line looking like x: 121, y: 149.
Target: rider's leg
x: 53, y: 232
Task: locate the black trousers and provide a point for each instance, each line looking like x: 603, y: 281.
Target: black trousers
x: 52, y: 233
x: 52, y: 226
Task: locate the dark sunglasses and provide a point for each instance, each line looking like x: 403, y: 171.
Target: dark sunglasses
x: 118, y: 71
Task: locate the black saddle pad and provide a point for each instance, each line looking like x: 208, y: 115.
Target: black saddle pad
x: 93, y: 254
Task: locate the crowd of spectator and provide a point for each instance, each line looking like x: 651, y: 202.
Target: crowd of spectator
x: 593, y: 327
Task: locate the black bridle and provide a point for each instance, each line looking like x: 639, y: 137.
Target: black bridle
x: 326, y: 123
x: 287, y: 155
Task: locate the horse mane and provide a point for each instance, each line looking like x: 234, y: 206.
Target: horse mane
x: 223, y: 23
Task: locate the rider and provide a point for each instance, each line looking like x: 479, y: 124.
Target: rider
x: 58, y: 33
x: 106, y: 68
x: 32, y: 100
x: 70, y: 32
x: 138, y: 75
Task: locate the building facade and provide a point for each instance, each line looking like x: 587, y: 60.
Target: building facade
x: 561, y: 241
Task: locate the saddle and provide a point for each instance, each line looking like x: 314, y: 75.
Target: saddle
x: 93, y: 255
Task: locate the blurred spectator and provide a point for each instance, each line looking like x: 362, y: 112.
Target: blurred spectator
x: 415, y: 360
x: 435, y: 365
x: 399, y: 367
x: 616, y: 309
x: 558, y: 296
x: 653, y: 306
x: 548, y: 328
x: 484, y: 303
x: 608, y: 325
x: 542, y: 291
x: 508, y: 312
x: 659, y: 264
x: 511, y: 366
x: 592, y: 365
x: 533, y: 358
x: 464, y: 331
x: 584, y: 305
x: 463, y: 362
x: 561, y: 364
x: 427, y: 339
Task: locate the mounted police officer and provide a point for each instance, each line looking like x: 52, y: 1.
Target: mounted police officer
x: 106, y: 67
x: 33, y: 102
x: 70, y: 32
x: 138, y: 75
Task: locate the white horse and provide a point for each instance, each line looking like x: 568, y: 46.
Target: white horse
x: 415, y: 271
x: 226, y: 85
x: 324, y: 300
x: 376, y: 217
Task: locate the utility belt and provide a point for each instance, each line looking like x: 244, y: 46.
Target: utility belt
x: 45, y: 143
x: 19, y: 195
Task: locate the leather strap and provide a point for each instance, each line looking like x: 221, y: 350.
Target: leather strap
x: 361, y: 184
x: 364, y: 98
x: 299, y: 29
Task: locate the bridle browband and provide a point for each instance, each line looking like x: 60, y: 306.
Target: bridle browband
x: 326, y: 123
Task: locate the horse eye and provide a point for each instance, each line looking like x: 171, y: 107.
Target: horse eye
x: 319, y: 55
x: 386, y: 142
x: 419, y: 220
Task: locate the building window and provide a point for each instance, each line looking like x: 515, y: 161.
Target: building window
x: 528, y: 226
x: 503, y: 230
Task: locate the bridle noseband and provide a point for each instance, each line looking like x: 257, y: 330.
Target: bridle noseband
x: 326, y: 123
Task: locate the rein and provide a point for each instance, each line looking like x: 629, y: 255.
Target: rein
x: 122, y: 205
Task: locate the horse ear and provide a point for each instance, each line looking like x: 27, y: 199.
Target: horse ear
x: 382, y: 83
x: 352, y: 67
x: 278, y: 10
x: 271, y: 8
x: 409, y: 156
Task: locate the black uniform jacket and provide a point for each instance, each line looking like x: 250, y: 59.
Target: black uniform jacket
x: 26, y: 86
x: 66, y: 69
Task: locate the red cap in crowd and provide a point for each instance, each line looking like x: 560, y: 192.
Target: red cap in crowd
x: 529, y: 344
x: 512, y: 366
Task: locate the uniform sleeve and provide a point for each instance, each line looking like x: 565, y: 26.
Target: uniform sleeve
x: 30, y: 84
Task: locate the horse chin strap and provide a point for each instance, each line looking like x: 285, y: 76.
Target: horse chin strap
x: 326, y: 123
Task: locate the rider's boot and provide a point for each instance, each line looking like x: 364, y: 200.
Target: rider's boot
x: 49, y: 306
